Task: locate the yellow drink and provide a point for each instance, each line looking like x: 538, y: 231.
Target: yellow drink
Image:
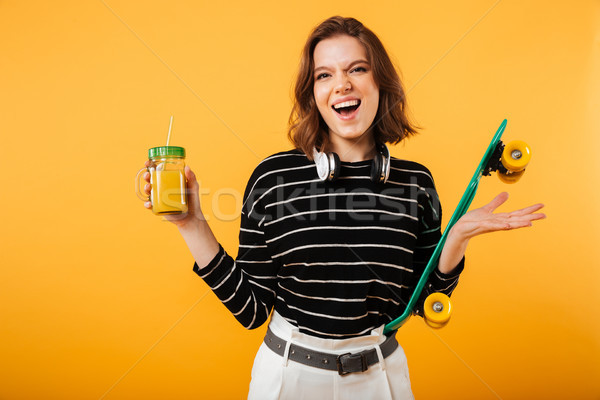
x: 168, y: 192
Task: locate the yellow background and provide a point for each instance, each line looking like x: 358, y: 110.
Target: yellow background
x: 97, y: 296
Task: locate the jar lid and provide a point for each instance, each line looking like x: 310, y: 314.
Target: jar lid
x: 169, y: 151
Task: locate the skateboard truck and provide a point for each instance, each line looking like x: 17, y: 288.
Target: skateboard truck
x: 494, y: 163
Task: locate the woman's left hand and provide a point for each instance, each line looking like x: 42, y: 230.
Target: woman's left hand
x: 483, y: 220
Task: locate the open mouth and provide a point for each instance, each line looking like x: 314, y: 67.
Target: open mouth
x: 347, y: 107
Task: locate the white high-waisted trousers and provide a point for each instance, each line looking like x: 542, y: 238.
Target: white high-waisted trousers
x: 275, y: 377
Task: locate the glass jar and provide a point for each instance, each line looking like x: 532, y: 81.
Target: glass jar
x: 167, y: 177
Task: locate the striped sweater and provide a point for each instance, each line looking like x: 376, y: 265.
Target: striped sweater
x: 336, y: 259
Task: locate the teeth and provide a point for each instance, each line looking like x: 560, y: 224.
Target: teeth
x: 346, y: 104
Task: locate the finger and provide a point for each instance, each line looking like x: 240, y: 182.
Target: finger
x: 533, y: 217
x: 520, y: 224
x: 148, y: 188
x: 526, y: 221
x: 175, y: 217
x: 523, y: 221
x: 147, y: 163
x: 538, y: 216
x: 505, y: 222
x: 147, y: 204
x: 528, y: 210
x: 146, y: 176
x: 189, y: 174
x: 496, y: 202
x: 193, y: 189
x: 192, y: 183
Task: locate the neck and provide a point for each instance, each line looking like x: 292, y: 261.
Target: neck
x: 360, y: 149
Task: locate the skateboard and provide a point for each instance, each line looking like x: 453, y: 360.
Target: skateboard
x: 509, y: 161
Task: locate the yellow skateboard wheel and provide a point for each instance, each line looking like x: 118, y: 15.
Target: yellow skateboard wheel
x: 434, y: 325
x: 437, y: 309
x: 510, y: 177
x: 516, y: 156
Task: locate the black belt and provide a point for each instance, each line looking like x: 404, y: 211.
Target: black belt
x: 342, y: 363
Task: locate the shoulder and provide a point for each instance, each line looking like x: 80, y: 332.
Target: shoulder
x: 266, y: 172
x: 404, y: 169
x: 280, y: 162
x: 283, y: 159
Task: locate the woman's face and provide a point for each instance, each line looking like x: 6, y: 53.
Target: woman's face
x: 344, y: 89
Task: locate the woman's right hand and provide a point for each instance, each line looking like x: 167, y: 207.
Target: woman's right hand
x: 193, y: 198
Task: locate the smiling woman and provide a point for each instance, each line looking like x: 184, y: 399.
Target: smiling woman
x: 342, y: 56
x: 335, y: 233
x: 346, y: 95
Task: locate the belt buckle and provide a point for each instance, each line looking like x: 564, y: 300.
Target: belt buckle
x: 363, y: 362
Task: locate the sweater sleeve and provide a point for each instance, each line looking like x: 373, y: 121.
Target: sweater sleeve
x: 429, y: 235
x: 246, y: 285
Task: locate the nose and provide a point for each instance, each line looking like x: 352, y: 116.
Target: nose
x: 343, y: 84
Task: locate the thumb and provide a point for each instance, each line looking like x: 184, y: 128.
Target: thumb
x: 190, y: 176
x: 496, y: 202
x: 193, y: 188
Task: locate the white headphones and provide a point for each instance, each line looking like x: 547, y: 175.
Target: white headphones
x: 329, y: 164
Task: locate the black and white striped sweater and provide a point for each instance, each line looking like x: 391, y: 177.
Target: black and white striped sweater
x: 336, y: 259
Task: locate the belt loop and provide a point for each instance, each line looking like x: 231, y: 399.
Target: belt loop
x: 286, y: 353
x: 381, y: 358
x: 288, y: 343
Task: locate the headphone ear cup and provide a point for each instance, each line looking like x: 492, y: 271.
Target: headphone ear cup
x: 322, y: 164
x: 335, y: 166
x: 376, y: 167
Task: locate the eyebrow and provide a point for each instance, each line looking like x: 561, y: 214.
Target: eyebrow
x: 353, y: 63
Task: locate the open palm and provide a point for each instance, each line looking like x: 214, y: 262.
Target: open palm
x: 484, y: 220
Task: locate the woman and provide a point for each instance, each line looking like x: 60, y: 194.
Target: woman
x: 335, y: 233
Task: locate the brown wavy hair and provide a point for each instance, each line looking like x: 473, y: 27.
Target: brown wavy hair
x: 307, y: 129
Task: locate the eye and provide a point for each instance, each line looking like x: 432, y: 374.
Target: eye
x: 359, y: 69
x: 322, y: 75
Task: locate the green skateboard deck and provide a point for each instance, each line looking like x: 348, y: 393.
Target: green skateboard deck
x: 484, y: 168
